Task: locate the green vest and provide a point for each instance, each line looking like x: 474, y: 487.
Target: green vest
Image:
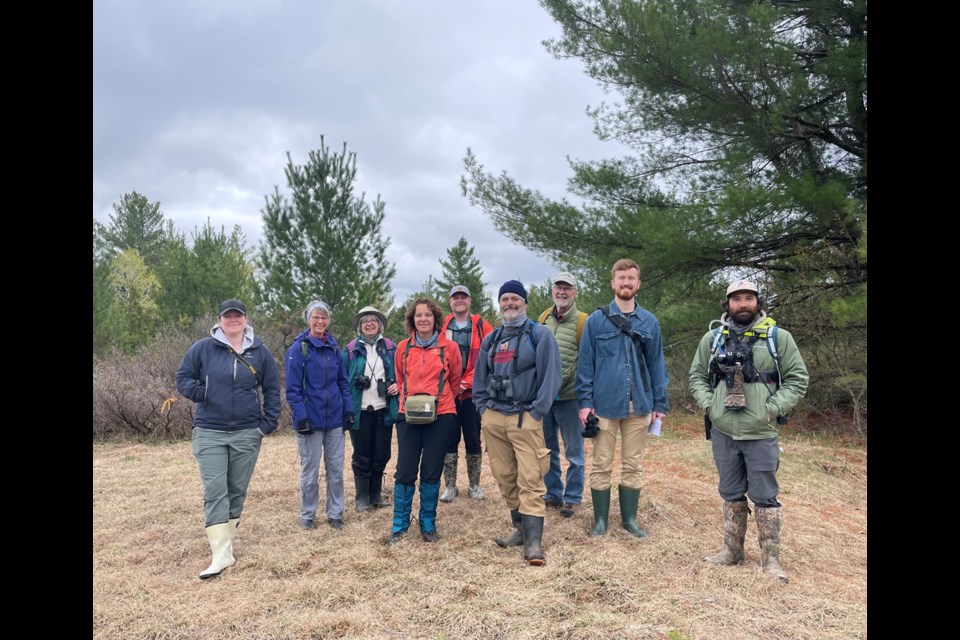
x: 567, y: 339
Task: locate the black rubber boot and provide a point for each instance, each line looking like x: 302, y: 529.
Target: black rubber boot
x: 532, y: 535
x: 515, y: 539
x: 363, y: 493
x: 376, y: 491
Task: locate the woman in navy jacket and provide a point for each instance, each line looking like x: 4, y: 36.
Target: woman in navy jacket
x: 321, y: 406
x: 221, y: 374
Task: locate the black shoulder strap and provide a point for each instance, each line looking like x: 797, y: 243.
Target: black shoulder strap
x: 623, y: 325
x: 242, y: 360
x: 480, y: 327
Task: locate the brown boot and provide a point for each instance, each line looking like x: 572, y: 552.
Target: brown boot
x: 734, y: 531
x: 769, y: 524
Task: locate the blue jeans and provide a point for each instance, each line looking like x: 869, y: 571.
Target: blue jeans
x: 563, y: 418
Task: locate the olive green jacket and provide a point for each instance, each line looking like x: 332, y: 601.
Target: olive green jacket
x: 765, y: 402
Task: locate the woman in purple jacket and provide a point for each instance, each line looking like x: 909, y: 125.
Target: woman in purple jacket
x: 319, y: 396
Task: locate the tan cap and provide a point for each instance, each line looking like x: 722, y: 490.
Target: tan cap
x: 564, y: 276
x: 460, y: 289
x: 742, y: 285
x: 369, y: 311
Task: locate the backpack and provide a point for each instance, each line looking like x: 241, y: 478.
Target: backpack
x: 581, y: 321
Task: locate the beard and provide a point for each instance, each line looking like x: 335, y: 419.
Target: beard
x: 563, y: 305
x: 509, y: 315
x: 626, y: 293
x: 744, y: 316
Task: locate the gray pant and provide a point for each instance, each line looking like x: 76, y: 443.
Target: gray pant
x: 226, y: 460
x: 329, y: 445
x: 747, y: 467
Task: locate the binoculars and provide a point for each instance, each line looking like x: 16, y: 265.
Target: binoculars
x: 500, y: 387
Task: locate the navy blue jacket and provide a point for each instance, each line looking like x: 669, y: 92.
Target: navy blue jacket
x: 608, y: 371
x: 317, y: 388
x: 226, y: 391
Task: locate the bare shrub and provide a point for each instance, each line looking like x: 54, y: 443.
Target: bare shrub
x: 135, y: 395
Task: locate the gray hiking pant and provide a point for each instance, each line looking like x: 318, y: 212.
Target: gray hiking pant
x: 328, y: 445
x: 226, y: 460
x: 747, y: 467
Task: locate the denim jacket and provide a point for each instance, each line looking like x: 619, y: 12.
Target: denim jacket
x: 608, y: 373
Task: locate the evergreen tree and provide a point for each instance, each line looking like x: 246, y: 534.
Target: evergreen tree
x: 749, y: 127
x: 463, y: 267
x: 195, y: 278
x: 325, y: 242
x: 136, y: 224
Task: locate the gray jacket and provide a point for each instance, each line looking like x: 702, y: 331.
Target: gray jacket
x: 535, y: 378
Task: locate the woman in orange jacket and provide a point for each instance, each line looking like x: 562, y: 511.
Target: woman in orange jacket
x: 428, y: 367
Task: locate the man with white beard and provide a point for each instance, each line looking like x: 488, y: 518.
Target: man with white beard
x: 566, y: 323
x: 517, y: 376
x: 622, y: 379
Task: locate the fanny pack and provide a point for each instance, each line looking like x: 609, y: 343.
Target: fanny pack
x: 420, y: 408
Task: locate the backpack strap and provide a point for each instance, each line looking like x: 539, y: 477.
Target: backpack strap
x: 581, y: 321
x: 304, y: 349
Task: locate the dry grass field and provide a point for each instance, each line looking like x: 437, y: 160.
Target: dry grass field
x: 149, y: 546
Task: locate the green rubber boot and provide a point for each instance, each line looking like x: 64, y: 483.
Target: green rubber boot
x: 629, y: 499
x: 601, y: 511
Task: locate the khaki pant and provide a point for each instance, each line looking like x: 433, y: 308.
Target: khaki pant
x: 518, y: 459
x: 633, y: 436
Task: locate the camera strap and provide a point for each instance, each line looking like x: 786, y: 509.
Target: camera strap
x: 623, y: 325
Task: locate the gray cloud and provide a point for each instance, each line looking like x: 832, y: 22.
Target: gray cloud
x: 196, y: 105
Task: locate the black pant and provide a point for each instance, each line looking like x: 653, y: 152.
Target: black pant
x: 422, y: 446
x: 371, y: 444
x: 468, y: 420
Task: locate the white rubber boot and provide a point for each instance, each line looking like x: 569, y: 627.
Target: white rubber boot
x: 220, y: 537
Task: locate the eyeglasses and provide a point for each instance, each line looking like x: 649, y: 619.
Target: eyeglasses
x: 370, y: 321
x: 563, y: 287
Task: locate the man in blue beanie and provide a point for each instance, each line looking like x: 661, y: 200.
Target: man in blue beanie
x: 517, y: 376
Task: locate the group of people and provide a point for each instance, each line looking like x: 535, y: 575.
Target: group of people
x: 523, y: 387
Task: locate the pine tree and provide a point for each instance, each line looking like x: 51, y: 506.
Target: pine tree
x: 463, y: 267
x: 325, y: 242
x: 135, y: 224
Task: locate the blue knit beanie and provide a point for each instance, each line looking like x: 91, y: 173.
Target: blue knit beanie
x: 513, y: 286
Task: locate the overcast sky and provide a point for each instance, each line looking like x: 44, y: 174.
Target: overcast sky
x: 195, y: 104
